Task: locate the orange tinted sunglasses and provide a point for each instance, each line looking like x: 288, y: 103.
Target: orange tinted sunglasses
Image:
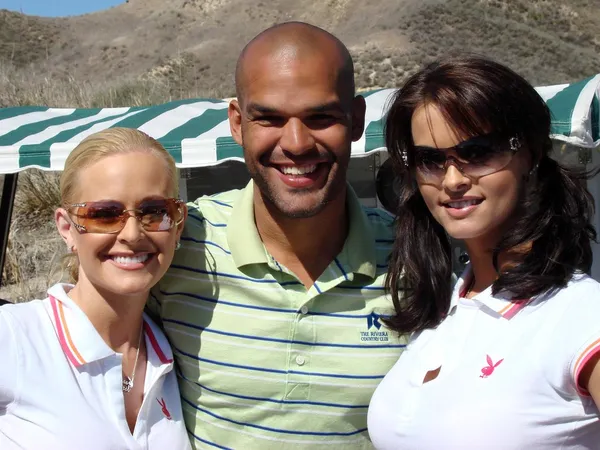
x: 110, y: 217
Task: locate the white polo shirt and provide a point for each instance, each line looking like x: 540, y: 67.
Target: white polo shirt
x: 507, y: 379
x: 60, y: 384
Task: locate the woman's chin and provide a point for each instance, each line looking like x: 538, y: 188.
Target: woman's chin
x: 461, y: 232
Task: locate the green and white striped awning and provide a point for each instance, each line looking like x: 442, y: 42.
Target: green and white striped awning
x: 196, y: 131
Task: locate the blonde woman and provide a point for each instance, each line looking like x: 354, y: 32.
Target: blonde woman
x: 86, y: 368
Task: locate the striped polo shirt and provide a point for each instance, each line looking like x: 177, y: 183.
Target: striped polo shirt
x: 265, y: 363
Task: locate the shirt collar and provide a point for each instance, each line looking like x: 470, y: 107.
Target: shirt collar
x: 244, y: 241
x: 161, y: 350
x: 502, y: 303
x: 81, y: 342
x: 247, y: 247
x: 359, y: 248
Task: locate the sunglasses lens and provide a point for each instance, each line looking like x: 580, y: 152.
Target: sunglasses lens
x: 159, y: 215
x: 430, y: 163
x: 100, y: 217
x: 478, y: 160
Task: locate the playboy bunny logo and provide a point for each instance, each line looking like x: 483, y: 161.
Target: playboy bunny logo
x: 163, y: 407
x: 489, y: 369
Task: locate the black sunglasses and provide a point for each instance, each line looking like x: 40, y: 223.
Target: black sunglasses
x: 475, y: 157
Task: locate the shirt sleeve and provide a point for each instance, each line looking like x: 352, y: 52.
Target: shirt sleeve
x: 586, y: 348
x: 580, y: 330
x: 10, y: 368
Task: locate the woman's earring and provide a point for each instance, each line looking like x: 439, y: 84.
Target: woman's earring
x: 178, y: 245
x: 533, y: 170
x: 71, y: 249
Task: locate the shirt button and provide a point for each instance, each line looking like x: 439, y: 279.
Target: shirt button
x: 304, y: 310
x: 300, y: 360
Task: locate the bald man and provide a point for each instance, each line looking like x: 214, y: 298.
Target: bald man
x: 273, y: 304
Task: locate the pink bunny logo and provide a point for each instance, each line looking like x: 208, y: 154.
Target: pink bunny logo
x: 163, y: 407
x: 489, y: 369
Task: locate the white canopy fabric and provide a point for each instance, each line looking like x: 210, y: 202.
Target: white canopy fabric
x: 196, y: 131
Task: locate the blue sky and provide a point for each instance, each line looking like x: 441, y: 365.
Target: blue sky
x: 54, y: 8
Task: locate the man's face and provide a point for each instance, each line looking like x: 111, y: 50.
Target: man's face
x: 296, y: 131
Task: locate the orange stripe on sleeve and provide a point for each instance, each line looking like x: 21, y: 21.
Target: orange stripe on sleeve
x: 584, y: 357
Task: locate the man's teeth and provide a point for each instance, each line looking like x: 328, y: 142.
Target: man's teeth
x: 298, y: 170
x: 463, y: 203
x: 130, y: 259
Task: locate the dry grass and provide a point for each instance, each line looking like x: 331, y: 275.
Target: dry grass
x: 33, y: 261
x: 34, y: 249
x: 173, y: 79
x: 38, y: 195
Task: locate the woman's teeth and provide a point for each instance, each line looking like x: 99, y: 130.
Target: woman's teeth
x: 463, y: 203
x: 298, y: 170
x: 130, y: 259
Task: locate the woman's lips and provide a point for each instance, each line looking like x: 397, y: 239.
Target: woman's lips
x: 459, y: 209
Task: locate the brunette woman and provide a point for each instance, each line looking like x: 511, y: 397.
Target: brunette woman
x: 508, y: 357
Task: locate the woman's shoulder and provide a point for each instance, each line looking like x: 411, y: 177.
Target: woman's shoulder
x: 24, y: 315
x: 580, y: 288
x: 31, y: 317
x: 579, y: 298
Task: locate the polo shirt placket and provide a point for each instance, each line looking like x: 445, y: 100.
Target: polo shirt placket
x: 244, y: 242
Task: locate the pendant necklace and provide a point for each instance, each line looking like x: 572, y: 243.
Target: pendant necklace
x: 128, y: 382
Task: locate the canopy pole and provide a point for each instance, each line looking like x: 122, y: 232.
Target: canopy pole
x: 6, y: 206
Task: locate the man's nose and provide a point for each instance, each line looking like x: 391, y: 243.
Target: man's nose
x: 296, y: 137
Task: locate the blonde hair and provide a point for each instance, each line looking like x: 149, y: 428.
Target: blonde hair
x: 111, y: 141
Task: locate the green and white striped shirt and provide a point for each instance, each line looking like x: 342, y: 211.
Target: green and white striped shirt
x: 265, y: 363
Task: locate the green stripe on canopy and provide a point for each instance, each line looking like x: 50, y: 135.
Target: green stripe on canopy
x: 5, y: 113
x: 22, y: 132
x: 562, y: 106
x: 227, y: 148
x: 374, y: 136
x: 196, y: 131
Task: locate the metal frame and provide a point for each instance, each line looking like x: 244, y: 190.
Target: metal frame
x: 6, y: 207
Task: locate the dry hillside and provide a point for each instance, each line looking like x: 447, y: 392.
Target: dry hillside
x: 192, y: 44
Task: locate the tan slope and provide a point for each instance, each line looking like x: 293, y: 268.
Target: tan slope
x: 196, y: 42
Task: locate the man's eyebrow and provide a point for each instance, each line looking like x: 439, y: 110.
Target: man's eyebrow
x: 261, y: 109
x: 334, y: 106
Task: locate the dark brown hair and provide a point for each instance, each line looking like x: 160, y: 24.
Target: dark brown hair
x: 552, y: 220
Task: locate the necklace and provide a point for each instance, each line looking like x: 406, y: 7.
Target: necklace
x: 128, y: 382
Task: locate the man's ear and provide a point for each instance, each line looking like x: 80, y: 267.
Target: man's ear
x: 359, y: 107
x: 65, y: 228
x: 234, y: 112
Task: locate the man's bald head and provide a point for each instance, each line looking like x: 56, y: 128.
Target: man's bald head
x: 295, y: 42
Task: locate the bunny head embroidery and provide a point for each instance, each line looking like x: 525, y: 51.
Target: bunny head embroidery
x: 489, y: 369
x: 163, y: 407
